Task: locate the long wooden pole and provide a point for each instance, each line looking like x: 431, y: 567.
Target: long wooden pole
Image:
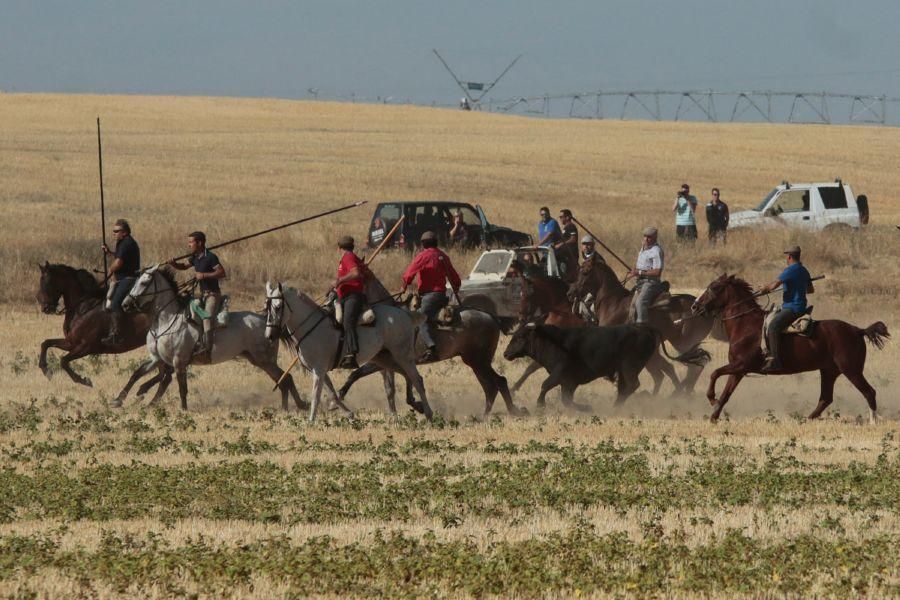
x: 271, y: 229
x: 369, y: 260
x: 102, y: 202
x: 605, y: 247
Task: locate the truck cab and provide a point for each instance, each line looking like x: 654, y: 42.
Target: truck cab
x: 495, y: 283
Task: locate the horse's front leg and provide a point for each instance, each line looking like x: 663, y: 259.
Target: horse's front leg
x: 181, y: 376
x: 316, y: 394
x: 60, y: 343
x: 75, y: 354
x: 733, y: 380
x: 142, y: 370
x: 334, y: 396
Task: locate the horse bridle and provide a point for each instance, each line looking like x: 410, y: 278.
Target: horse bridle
x: 712, y: 296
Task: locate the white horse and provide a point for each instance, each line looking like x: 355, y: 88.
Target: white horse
x: 172, y: 336
x: 389, y: 343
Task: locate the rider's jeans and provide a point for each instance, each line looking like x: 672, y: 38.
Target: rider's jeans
x: 647, y: 290
x: 123, y: 286
x: 779, y: 323
x: 432, y: 303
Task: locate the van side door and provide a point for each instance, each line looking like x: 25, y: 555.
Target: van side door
x: 793, y: 206
x: 836, y: 206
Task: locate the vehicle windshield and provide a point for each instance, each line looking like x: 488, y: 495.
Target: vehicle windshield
x: 762, y: 205
x: 493, y: 263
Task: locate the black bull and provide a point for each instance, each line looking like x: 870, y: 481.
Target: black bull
x: 577, y: 356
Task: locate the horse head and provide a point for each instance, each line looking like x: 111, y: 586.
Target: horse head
x: 716, y: 296
x: 152, y: 282
x: 49, y: 291
x: 595, y: 277
x: 274, y: 310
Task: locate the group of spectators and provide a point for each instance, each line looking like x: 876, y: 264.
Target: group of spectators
x: 562, y: 235
x: 685, y: 209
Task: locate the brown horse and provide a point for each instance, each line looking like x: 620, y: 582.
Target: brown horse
x: 836, y: 348
x: 550, y: 298
x: 86, y: 322
x: 612, y: 302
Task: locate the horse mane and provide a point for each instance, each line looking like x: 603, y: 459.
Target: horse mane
x: 84, y: 279
x: 169, y: 276
x: 302, y: 297
x: 558, y: 285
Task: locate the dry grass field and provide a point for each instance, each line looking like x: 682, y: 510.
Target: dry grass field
x: 235, y: 498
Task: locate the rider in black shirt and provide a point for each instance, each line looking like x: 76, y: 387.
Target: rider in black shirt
x: 124, y: 271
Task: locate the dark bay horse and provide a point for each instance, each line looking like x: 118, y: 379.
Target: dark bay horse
x: 474, y: 339
x: 612, y: 302
x: 836, y: 348
x: 550, y: 298
x: 86, y: 322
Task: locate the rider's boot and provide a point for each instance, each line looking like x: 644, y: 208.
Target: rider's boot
x: 116, y: 322
x: 773, y: 360
x: 349, y: 361
x: 203, y: 349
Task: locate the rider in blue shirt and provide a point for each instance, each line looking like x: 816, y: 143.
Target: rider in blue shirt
x: 549, y: 232
x: 797, y: 284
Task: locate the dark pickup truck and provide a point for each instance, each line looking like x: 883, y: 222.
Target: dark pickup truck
x: 474, y: 230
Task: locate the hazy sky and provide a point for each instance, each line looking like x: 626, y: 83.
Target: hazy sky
x: 383, y: 47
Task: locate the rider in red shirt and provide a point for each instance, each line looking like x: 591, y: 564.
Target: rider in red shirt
x: 350, y: 287
x: 434, y: 270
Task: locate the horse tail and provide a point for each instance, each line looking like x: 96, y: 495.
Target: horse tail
x: 876, y: 333
x: 696, y: 356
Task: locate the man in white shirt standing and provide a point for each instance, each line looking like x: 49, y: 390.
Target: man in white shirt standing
x: 648, y: 271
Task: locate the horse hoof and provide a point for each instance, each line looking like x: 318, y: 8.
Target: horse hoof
x: 519, y: 412
x: 87, y: 382
x: 712, y: 400
x: 117, y: 403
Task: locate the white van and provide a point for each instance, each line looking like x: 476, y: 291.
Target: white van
x: 814, y: 206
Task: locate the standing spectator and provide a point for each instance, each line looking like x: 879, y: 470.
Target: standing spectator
x: 549, y: 232
x: 459, y: 233
x: 567, y: 247
x: 717, y: 218
x: 684, y: 207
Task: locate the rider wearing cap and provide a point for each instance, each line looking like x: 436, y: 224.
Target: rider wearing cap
x: 350, y: 288
x: 434, y: 270
x: 648, y: 271
x: 797, y: 284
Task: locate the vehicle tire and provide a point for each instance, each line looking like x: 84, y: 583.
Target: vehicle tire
x: 862, y: 203
x: 481, y: 303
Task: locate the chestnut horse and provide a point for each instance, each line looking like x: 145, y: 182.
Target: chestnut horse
x: 835, y: 348
x: 86, y: 323
x: 549, y: 297
x: 612, y: 301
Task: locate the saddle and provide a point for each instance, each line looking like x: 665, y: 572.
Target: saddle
x: 198, y: 313
x: 803, y: 325
x: 660, y: 302
x: 366, y: 317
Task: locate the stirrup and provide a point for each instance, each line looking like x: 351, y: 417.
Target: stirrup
x: 348, y: 362
x: 772, y: 364
x: 429, y: 356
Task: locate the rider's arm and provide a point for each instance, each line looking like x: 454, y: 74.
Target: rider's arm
x: 650, y: 272
x: 217, y: 273
x: 410, y: 272
x: 771, y: 286
x: 115, y: 266
x: 180, y: 266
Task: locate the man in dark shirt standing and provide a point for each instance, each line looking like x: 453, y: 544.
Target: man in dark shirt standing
x: 567, y: 248
x: 124, y: 271
x: 208, y: 273
x: 717, y: 218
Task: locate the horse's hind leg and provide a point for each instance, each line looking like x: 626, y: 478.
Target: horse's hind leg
x: 142, y: 370
x: 163, y: 386
x: 181, y: 376
x: 60, y: 343
x: 335, y: 398
x: 357, y: 374
x: 826, y: 395
x: 627, y: 382
x: 661, y: 365
x: 859, y: 382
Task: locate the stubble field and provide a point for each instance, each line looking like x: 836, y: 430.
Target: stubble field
x: 236, y: 498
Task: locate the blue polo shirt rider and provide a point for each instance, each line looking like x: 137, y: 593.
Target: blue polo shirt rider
x: 208, y: 272
x: 797, y: 284
x: 549, y: 232
x: 123, y: 271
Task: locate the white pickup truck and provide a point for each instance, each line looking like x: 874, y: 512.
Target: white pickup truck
x: 816, y: 206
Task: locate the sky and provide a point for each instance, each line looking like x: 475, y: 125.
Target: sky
x: 383, y: 48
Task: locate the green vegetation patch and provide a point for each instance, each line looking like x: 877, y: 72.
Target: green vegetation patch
x: 394, y: 564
